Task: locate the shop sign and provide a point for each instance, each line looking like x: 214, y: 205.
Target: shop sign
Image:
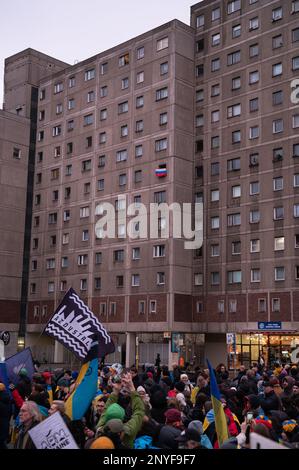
x: 268, y: 325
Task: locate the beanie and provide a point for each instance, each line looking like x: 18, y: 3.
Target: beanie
x: 102, y: 443
x: 179, y: 386
x: 23, y: 372
x: 114, y: 412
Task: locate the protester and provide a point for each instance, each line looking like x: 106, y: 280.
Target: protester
x: 30, y: 416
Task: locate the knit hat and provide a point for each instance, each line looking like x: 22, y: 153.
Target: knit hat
x: 114, y: 411
x: 150, y: 375
x: 2, y: 387
x: 102, y: 443
x: 289, y: 425
x: 184, y: 377
x: 197, y: 425
x: 23, y: 372
x: 172, y: 416
x: 141, y: 389
x: 114, y: 425
x: 46, y: 375
x: 63, y: 383
x: 179, y: 386
x: 189, y: 435
x: 262, y: 419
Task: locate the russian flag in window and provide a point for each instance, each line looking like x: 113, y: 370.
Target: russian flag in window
x: 161, y: 171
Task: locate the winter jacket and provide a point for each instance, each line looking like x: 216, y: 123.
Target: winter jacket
x: 167, y: 437
x: 5, y: 414
x: 134, y: 424
x: 270, y: 402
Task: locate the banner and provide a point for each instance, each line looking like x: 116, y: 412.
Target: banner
x: 74, y: 326
x: 3, y: 376
x: 21, y: 360
x: 52, y: 433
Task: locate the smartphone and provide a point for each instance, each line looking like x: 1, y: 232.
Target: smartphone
x: 249, y: 417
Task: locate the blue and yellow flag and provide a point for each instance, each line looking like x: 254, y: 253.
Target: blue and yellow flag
x: 220, y: 418
x: 86, y: 386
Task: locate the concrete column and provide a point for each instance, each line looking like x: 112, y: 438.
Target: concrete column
x: 2, y: 355
x: 130, y: 349
x: 58, y: 352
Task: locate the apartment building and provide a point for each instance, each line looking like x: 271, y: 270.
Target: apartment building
x: 180, y: 114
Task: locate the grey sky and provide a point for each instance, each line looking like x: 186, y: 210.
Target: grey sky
x: 73, y: 30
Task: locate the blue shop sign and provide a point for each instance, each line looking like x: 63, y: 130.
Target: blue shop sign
x: 269, y: 325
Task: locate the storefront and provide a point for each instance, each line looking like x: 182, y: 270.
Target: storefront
x: 273, y: 346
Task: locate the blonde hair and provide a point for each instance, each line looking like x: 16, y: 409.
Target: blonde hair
x: 33, y: 410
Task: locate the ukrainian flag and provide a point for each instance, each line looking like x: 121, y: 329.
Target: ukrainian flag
x: 220, y: 418
x: 86, y: 386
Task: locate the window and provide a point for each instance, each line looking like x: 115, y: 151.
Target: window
x: 162, y: 43
x: 140, y: 77
x: 164, y: 68
x: 200, y: 44
x: 297, y: 241
x: 86, y: 165
x: 234, y: 277
x: 233, y: 220
x: 34, y: 265
x: 83, y: 284
x: 254, y: 216
x: 158, y: 251
x: 121, y: 155
x: 97, y: 283
x: 232, y: 306
x: 72, y: 82
x: 277, y: 41
x: 161, y: 145
x: 216, y: 39
x: 55, y: 174
x: 56, y: 131
x: 278, y: 243
x: 295, y: 6
x: 40, y: 157
x: 236, y: 137
x: 139, y: 102
x: 234, y: 164
x: 42, y: 115
x: 55, y: 195
x: 162, y: 94
x: 254, y: 132
x: 296, y: 180
x: 215, y: 65
x: 262, y: 305
x: 215, y: 222
x: 102, y: 137
x: 236, y: 31
x: 279, y: 273
x: 71, y: 104
x: 297, y: 272
x: 160, y: 278
x: 253, y: 23
x: 215, y: 195
x: 59, y: 108
x: 66, y: 217
x: 277, y: 126
x: 198, y: 279
x: 255, y: 275
x: 138, y: 176
x: 255, y: 246
x: 275, y: 305
x: 200, y: 21
x: 124, y: 131
x: 277, y: 97
x: 277, y: 14
x: 138, y: 151
x: 163, y: 119
x: 42, y: 94
x: 104, y: 91
x: 215, y: 278
x: 215, y: 142
x: 102, y: 159
x: 35, y: 243
x: 57, y: 152
x: 278, y: 183
x: 296, y: 150
x: 40, y: 136
x: 119, y: 255
x: 233, y: 6
x: 122, y: 179
x: 135, y: 280
x: 37, y: 199
x: 295, y: 63
x: 101, y: 184
x: 253, y: 50
x: 215, y: 169
x: 70, y: 125
x: 64, y: 262
x: 50, y: 263
x: 160, y: 197
x: 233, y: 111
x: 199, y: 96
x: 236, y: 83
x: 104, y: 68
x: 84, y: 212
x: 276, y: 70
x: 82, y: 260
x: 295, y: 121
x: 68, y: 170
x: 277, y: 154
x: 234, y: 58
x: 123, y: 107
x: 216, y: 14
x: 139, y: 126
x: 236, y: 191
x: 295, y: 35
x: 98, y: 258
x: 136, y: 253
x: 112, y: 311
x: 36, y: 221
x: 236, y: 248
x: 215, y: 90
x: 215, y: 250
x: 140, y: 53
x: 220, y: 306
x: 88, y: 119
x: 16, y: 153
x: 141, y: 307
x: 253, y: 105
x: 58, y: 87
x: 65, y: 238
x: 89, y: 74
x: 278, y: 213
x: 153, y: 306
x: 296, y: 210
x: 90, y: 96
x: 102, y: 308
x: 254, y: 77
x: 51, y: 287
x: 85, y: 235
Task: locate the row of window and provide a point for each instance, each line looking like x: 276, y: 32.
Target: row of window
x: 255, y: 247
x: 233, y: 305
x: 234, y: 220
x: 135, y: 282
x: 235, y: 277
x: 235, y: 5
x: 235, y: 58
x: 90, y: 74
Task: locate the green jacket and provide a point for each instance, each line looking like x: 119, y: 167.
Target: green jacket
x: 132, y: 426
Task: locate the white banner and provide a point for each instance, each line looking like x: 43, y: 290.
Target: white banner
x: 261, y: 442
x: 52, y: 433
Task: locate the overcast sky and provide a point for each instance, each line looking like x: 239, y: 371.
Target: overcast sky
x: 73, y: 30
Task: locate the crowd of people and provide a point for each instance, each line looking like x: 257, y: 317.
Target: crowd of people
x: 158, y: 408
